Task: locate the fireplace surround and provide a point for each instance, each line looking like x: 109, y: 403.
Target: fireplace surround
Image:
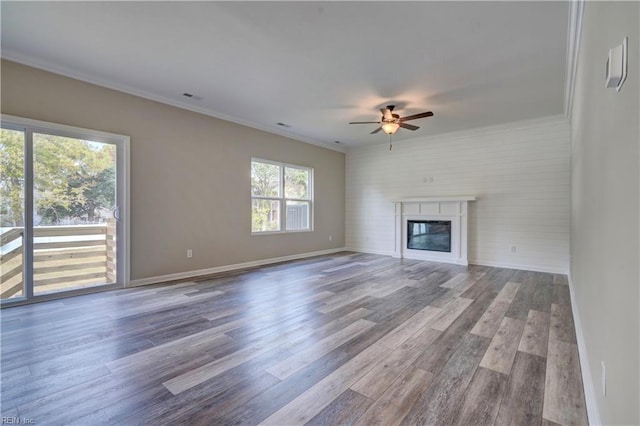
x: 438, y: 228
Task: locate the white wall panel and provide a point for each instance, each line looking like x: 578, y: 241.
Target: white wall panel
x: 519, y: 172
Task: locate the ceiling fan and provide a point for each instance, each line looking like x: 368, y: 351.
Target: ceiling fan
x: 390, y: 122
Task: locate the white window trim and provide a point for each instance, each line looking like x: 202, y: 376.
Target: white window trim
x: 283, y: 200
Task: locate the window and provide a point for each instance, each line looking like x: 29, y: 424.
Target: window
x: 281, y: 197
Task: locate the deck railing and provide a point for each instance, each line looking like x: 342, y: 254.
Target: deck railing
x: 64, y: 257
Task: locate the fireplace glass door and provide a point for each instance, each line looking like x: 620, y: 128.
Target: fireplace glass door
x: 431, y: 235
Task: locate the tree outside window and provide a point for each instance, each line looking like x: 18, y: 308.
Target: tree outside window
x: 74, y: 180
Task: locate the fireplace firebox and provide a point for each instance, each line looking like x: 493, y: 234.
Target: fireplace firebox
x: 429, y: 235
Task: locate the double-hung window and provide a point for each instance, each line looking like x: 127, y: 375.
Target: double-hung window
x: 281, y: 197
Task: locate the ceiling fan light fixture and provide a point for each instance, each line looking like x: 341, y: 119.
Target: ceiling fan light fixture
x: 390, y: 128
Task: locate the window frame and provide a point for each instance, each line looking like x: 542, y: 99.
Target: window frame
x: 282, y: 199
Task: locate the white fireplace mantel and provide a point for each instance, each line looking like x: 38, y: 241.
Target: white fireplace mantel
x: 452, y: 209
x: 435, y: 199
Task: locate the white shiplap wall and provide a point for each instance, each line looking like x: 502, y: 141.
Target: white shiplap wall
x: 519, y: 172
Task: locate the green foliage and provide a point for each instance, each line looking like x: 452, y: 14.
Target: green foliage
x: 72, y: 178
x: 265, y: 179
x: 11, y: 177
x: 296, y: 182
x: 265, y: 215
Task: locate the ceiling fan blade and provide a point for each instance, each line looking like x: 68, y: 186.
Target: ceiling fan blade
x: 408, y: 126
x: 376, y: 130
x: 386, y: 113
x: 364, y: 122
x: 415, y: 116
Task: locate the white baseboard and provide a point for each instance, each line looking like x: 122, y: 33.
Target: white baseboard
x: 535, y: 268
x: 226, y: 268
x: 507, y: 265
x: 369, y: 251
x: 587, y: 380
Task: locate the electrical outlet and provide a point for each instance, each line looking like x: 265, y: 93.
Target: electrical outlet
x: 603, y: 379
x: 514, y: 248
x: 330, y: 237
x: 189, y: 254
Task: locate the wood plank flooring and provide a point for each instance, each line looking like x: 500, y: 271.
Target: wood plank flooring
x: 341, y: 339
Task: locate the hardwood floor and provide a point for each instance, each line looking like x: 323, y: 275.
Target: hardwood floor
x: 341, y: 339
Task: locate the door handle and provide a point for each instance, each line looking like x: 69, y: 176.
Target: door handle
x: 116, y: 213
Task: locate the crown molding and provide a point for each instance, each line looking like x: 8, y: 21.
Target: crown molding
x: 576, y: 8
x: 68, y: 72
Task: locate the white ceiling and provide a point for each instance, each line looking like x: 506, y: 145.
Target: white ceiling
x: 312, y: 65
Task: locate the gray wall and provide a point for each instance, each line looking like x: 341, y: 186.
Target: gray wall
x: 190, y: 174
x: 604, y: 212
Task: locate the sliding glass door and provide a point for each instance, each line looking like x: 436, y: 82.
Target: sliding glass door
x: 61, y: 210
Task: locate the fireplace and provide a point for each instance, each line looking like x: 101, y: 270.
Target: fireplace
x: 432, y: 228
x: 430, y: 235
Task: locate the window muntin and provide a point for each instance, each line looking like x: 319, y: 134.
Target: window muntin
x: 281, y: 197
